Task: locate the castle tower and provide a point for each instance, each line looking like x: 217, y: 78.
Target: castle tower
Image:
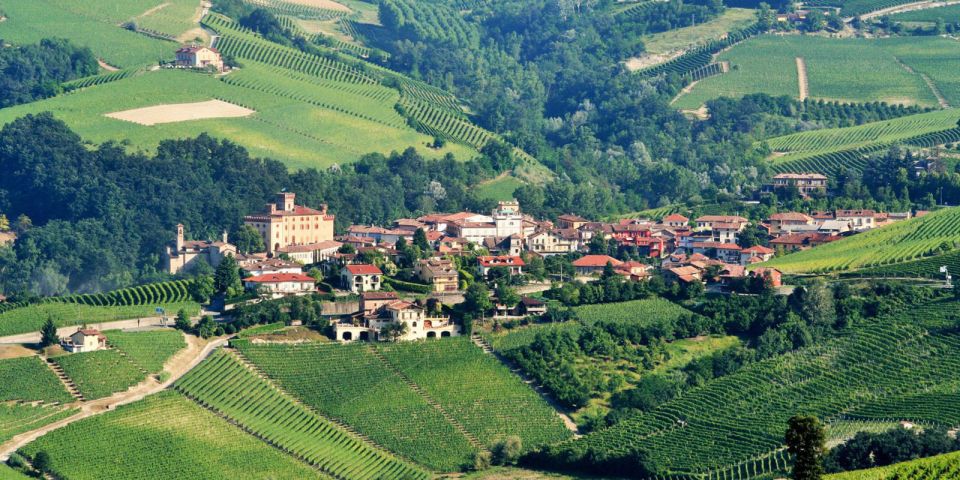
x: 179, y: 237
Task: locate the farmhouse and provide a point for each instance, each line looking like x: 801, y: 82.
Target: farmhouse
x: 84, y: 340
x: 594, y: 264
x: 724, y: 228
x: 858, y: 219
x: 183, y: 256
x: 440, y: 273
x: 789, y: 222
x: 361, y: 278
x: 554, y: 242
x: 805, y: 183
x: 375, y: 323
x: 513, y: 263
x: 199, y: 56
x: 275, y: 285
x: 284, y: 224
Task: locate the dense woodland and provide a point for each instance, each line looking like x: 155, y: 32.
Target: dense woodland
x: 33, y: 72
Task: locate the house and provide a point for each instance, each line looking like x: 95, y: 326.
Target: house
x: 726, y: 252
x: 554, y: 242
x: 571, y: 221
x: 372, y: 301
x: 369, y: 325
x: 486, y: 263
x: 275, y: 285
x: 805, y: 183
x: 755, y: 254
x: 360, y: 278
x: 474, y: 232
x: 675, y: 220
x: 859, y: 220
x: 531, y: 306
x: 183, y: 255
x: 801, y: 241
x: 284, y: 223
x: 635, y: 271
x: 724, y: 228
x: 199, y: 56
x: 266, y: 266
x: 311, y: 253
x: 771, y: 275
x: 788, y: 221
x: 379, y: 234
x: 84, y: 340
x: 440, y: 273
x: 593, y: 264
x: 684, y: 274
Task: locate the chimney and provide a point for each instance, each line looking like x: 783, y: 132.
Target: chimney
x: 179, y: 237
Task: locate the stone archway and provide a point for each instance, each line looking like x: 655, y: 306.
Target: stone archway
x: 347, y: 336
x: 431, y: 334
x: 364, y: 336
x: 444, y: 334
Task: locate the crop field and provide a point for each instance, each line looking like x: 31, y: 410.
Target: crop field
x: 730, y: 20
x: 883, y: 359
x: 350, y: 384
x: 636, y: 311
x: 31, y: 318
x: 28, y: 379
x: 479, y: 391
x: 901, y: 242
x: 225, y: 385
x: 95, y: 24
x: 148, y: 350
x: 925, y: 268
x: 499, y: 189
x: 940, y: 466
x: 7, y: 473
x: 18, y: 418
x: 297, y: 132
x: 766, y: 64
x: 163, y: 436
x: 101, y: 373
x: 928, y: 14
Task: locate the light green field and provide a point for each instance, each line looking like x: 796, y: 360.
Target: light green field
x: 299, y: 133
x: 850, y: 70
x: 901, y: 242
x: 948, y: 13
x: 730, y: 20
x: 31, y: 318
x: 163, y: 436
x: 889, y: 131
x: 499, y: 189
x: 96, y: 24
x: 940, y: 466
x: 682, y: 352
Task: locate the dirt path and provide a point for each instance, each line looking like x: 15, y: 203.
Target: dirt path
x: 154, y: 10
x: 181, y: 363
x: 106, y: 66
x: 909, y: 7
x: 929, y: 81
x: 802, y: 78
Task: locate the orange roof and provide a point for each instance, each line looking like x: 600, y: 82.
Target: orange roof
x: 758, y: 249
x: 363, y: 269
x: 500, y: 261
x: 279, y: 278
x: 675, y: 217
x: 595, y: 261
x: 791, y: 216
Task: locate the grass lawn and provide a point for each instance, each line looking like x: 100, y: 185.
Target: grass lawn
x: 767, y: 64
x: 730, y: 20
x: 499, y: 189
x: 682, y: 352
x: 31, y: 318
x: 297, y: 132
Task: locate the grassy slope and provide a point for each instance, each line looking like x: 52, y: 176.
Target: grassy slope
x: 732, y: 19
x: 499, y: 189
x: 897, y: 243
x: 298, y: 133
x: 172, y: 438
x: 940, y: 466
x: 31, y: 318
x: 767, y: 64
x: 928, y: 15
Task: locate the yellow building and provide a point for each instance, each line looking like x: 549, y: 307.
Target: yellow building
x: 283, y: 224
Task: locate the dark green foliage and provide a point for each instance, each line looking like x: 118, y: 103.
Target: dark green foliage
x: 32, y: 72
x: 868, y: 450
x: 48, y: 334
x: 806, y: 440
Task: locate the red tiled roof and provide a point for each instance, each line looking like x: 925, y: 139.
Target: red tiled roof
x: 196, y: 48
x: 595, y: 261
x: 379, y: 295
x: 790, y: 216
x: 717, y: 245
x: 722, y: 219
x: 675, y: 217
x: 279, y: 278
x: 572, y: 218
x: 758, y: 249
x: 856, y: 213
x: 500, y: 261
x: 363, y: 269
x: 312, y: 247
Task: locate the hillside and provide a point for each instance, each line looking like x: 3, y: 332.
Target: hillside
x: 941, y: 466
x: 913, y: 239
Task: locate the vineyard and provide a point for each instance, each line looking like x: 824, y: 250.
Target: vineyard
x: 350, y: 384
x: 691, y: 435
x: 436, y: 22
x: 697, y: 58
x: 101, y: 373
x: 299, y: 10
x: 29, y: 318
x: 928, y: 15
x: 853, y: 8
x: 148, y: 350
x: 476, y: 389
x: 925, y: 267
x: 900, y: 242
x: 227, y: 387
x: 18, y: 418
x: 636, y: 311
x: 932, y: 468
x: 162, y: 436
x: 28, y: 379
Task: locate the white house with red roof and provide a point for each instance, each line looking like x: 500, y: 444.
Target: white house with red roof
x: 487, y: 262
x: 361, y: 277
x: 594, y: 264
x: 84, y: 340
x: 369, y: 323
x: 275, y: 285
x: 675, y: 220
x: 755, y: 254
x: 199, y: 56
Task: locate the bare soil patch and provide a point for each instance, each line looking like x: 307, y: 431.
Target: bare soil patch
x: 650, y: 59
x: 181, y: 112
x: 15, y: 351
x: 106, y: 66
x: 327, y: 4
x: 802, y: 78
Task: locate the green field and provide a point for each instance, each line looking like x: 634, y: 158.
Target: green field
x: 883, y: 361
x: 28, y: 379
x: 101, y: 373
x: 31, y: 318
x: 163, y: 436
x: 499, y: 189
x: 19, y: 418
x: 948, y: 13
x: 7, y: 473
x: 681, y: 38
x: 901, y: 242
x: 767, y: 64
x: 224, y: 385
x: 96, y: 24
x: 940, y: 466
x: 636, y: 311
x: 924, y: 268
x: 148, y: 350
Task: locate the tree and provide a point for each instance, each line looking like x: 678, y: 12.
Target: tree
x: 226, y: 279
x: 506, y: 451
x: 420, y: 240
x: 393, y: 330
x: 206, y: 327
x: 818, y: 306
x: 23, y: 224
x: 806, y: 440
x: 182, y: 322
x: 506, y: 295
x: 4, y: 223
x: 41, y: 462
x: 477, y: 298
x: 481, y: 460
x: 202, y: 288
x: 815, y: 21
x: 48, y: 334
x: 247, y: 239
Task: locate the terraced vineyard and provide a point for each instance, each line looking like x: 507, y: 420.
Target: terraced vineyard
x: 29, y: 379
x: 636, y: 311
x: 350, y: 384
x: 697, y: 58
x: 172, y: 437
x: 19, y: 418
x: 226, y: 386
x: 940, y: 466
x: 925, y: 267
x: 477, y: 390
x: 29, y: 318
x: 733, y: 426
x: 299, y: 10
x: 904, y: 241
x: 101, y: 373
x: 148, y: 350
